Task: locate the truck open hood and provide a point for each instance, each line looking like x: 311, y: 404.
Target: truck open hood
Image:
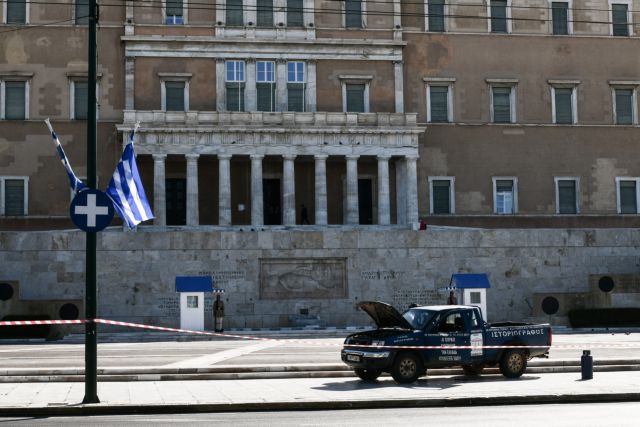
x: 384, y: 315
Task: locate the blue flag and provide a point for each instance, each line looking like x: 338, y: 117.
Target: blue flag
x: 125, y: 188
x: 74, y: 181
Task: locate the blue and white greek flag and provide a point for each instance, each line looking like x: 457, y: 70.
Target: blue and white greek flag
x: 74, y: 181
x: 125, y: 188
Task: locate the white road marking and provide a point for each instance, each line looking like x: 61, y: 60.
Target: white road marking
x: 212, y: 359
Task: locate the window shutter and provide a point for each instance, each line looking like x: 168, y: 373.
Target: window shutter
x: 266, y: 96
x: 567, y: 197
x: 501, y: 104
x: 295, y: 97
x: 355, y: 98
x: 564, y: 110
x: 504, y: 196
x: 624, y: 107
x: 441, y: 197
x: 438, y: 100
x: 82, y: 12
x: 14, y: 197
x: 234, y: 13
x: 436, y: 15
x: 16, y: 11
x: 560, y: 17
x: 235, y: 96
x: 619, y: 17
x: 80, y: 100
x: 14, y: 102
x: 498, y: 16
x: 264, y: 10
x: 295, y: 15
x: 353, y: 13
x: 174, y: 96
x: 174, y: 7
x: 628, y: 202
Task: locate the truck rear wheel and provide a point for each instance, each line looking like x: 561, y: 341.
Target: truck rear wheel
x: 513, y: 363
x: 473, y: 370
x: 406, y: 368
x: 368, y: 374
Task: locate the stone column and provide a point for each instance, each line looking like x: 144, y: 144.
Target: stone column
x: 129, y: 82
x: 159, y: 190
x: 289, y: 189
x: 353, y: 216
x: 401, y: 191
x: 310, y: 92
x: 281, y: 85
x: 257, y: 210
x: 412, y: 190
x: 321, y: 189
x: 384, y: 205
x: 224, y: 189
x: 221, y: 99
x: 192, y: 189
x: 250, y: 91
x: 398, y: 86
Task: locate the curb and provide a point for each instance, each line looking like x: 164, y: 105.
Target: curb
x: 100, y: 409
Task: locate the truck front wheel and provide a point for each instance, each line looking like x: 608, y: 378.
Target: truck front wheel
x: 513, y: 363
x: 368, y: 374
x: 406, y: 368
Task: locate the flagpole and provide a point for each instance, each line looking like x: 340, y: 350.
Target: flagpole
x: 91, y: 336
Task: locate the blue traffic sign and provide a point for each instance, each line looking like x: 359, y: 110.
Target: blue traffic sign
x: 91, y: 210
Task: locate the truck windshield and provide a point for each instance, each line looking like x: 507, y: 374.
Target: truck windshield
x: 418, y: 318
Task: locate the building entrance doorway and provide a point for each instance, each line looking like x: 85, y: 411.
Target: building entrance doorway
x: 365, y: 200
x: 271, y: 201
x: 176, y: 201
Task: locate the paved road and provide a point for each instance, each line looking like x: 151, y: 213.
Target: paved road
x: 242, y: 352
x: 566, y: 415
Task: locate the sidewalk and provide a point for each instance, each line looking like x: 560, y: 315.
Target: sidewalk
x: 34, y: 399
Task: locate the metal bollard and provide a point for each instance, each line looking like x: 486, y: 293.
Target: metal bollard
x: 586, y: 365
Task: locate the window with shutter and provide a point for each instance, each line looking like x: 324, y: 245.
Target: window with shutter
x: 628, y: 199
x: 264, y: 9
x: 175, y: 12
x: 234, y: 13
x: 14, y: 100
x: 501, y: 104
x: 504, y: 196
x: 567, y: 196
x: 14, y: 197
x: 499, y: 16
x: 438, y: 102
x: 355, y: 98
x: 235, y: 85
x: 441, y: 196
x: 80, y: 100
x: 82, y: 12
x: 174, y: 96
x: 266, y: 85
x: 624, y: 106
x: 16, y: 12
x: 435, y: 9
x: 295, y: 13
x: 560, y: 17
x: 353, y: 13
x: 564, y: 105
x: 619, y: 19
x: 295, y: 86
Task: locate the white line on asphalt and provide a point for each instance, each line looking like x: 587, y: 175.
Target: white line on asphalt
x: 211, y: 359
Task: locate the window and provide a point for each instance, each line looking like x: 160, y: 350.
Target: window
x: 560, y: 20
x: 355, y: 98
x: 438, y: 110
x: 500, y: 13
x: 174, y: 12
x: 475, y: 297
x: 628, y: 195
x: 563, y: 103
x: 435, y: 15
x: 234, y: 13
x: 620, y: 18
x: 295, y: 13
x: 13, y: 195
x: 505, y: 195
x: 16, y: 12
x: 235, y: 85
x: 295, y: 86
x: 502, y: 104
x: 266, y: 85
x: 82, y: 12
x: 192, y: 301
x: 14, y: 95
x: 79, y: 99
x: 624, y: 101
x: 264, y: 13
x: 567, y: 191
x: 353, y: 14
x: 441, y: 197
x: 174, y: 96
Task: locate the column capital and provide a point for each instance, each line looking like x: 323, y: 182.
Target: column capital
x: 220, y: 60
x: 383, y: 157
x: 192, y: 156
x: 282, y: 60
x: 224, y: 156
x: 352, y: 156
x: 320, y: 156
x: 256, y: 156
x: 159, y: 157
x: 412, y: 157
x: 289, y: 156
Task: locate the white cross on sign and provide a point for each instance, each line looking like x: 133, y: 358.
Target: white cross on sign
x: 91, y: 210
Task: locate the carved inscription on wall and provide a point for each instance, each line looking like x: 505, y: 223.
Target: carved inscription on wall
x: 311, y: 278
x: 381, y: 275
x: 169, y: 306
x: 402, y: 298
x: 223, y: 277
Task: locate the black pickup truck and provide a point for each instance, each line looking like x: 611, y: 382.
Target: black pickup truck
x: 388, y: 348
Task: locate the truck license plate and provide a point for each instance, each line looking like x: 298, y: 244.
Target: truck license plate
x: 353, y: 358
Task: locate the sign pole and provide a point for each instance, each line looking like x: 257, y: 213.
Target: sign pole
x: 91, y: 335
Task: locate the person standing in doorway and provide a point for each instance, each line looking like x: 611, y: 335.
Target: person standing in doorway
x: 304, y: 215
x: 452, y: 300
x: 218, y: 313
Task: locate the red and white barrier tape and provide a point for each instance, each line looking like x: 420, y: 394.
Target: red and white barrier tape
x: 296, y: 341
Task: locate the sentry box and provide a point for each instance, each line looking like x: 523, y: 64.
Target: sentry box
x: 192, y: 289
x: 471, y: 290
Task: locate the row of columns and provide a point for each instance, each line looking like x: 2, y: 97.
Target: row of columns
x: 410, y: 197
